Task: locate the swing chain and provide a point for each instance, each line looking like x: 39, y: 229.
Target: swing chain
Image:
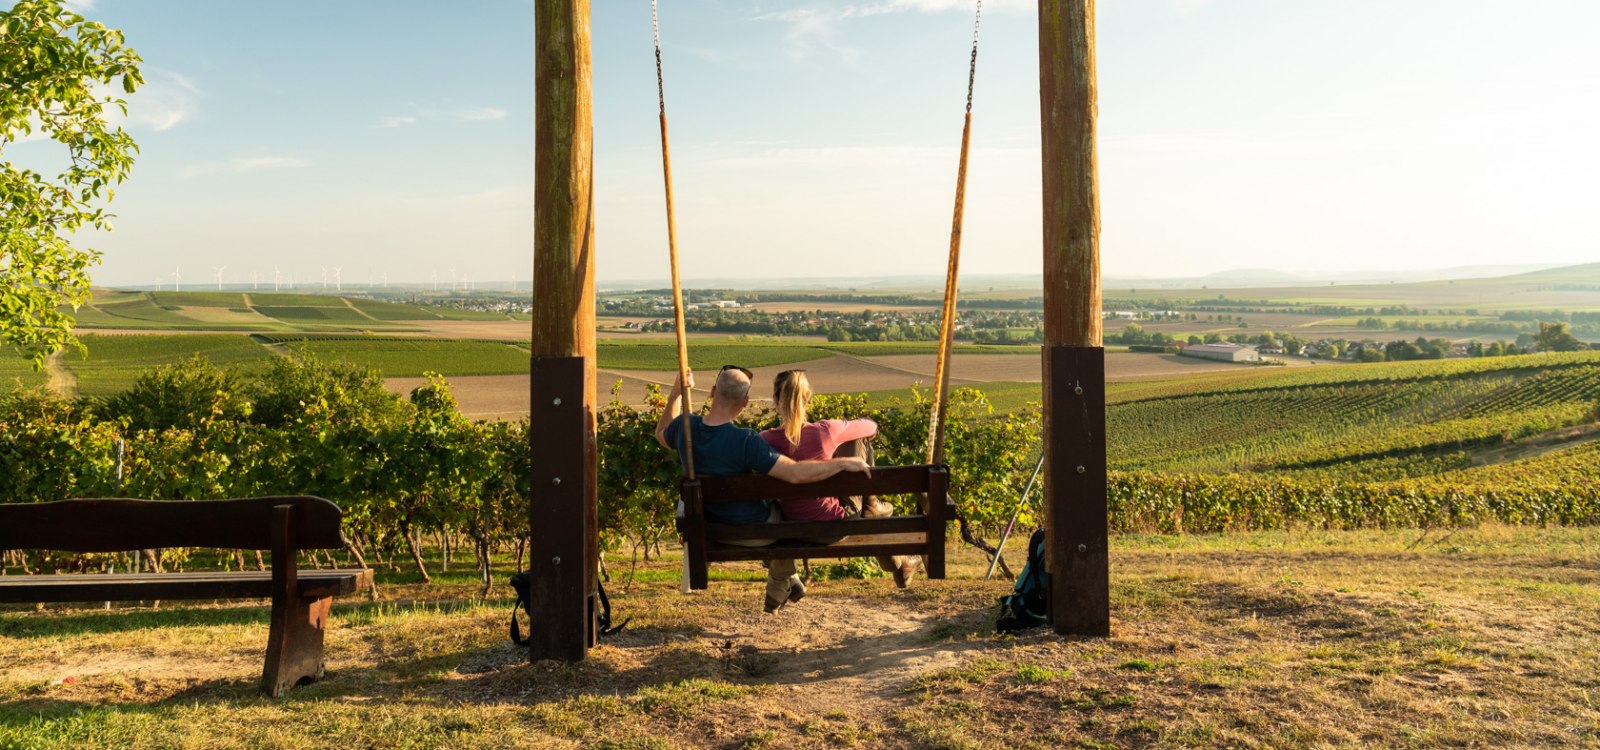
x: 661, y: 95
x: 972, y: 66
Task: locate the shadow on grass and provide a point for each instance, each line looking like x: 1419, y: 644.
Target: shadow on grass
x: 648, y: 659
x: 22, y: 623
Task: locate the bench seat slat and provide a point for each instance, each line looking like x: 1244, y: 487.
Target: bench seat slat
x: 867, y: 546
x: 98, y: 587
x: 816, y: 529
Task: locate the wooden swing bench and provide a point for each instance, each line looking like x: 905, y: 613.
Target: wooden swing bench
x: 921, y: 534
x: 300, y: 598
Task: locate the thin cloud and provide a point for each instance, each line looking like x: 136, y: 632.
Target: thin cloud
x: 813, y: 28
x: 434, y: 112
x: 246, y: 164
x: 166, y: 100
x: 479, y: 114
x: 78, y: 6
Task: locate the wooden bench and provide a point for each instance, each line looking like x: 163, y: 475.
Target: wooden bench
x: 921, y: 534
x: 283, y: 525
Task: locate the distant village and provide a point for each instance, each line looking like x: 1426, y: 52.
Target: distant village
x: 1020, y: 322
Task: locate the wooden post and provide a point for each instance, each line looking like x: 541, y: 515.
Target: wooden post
x: 1074, y: 375
x: 564, y: 547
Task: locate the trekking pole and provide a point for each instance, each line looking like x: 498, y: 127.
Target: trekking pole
x: 999, y: 548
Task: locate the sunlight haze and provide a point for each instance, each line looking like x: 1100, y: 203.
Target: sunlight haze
x: 820, y: 138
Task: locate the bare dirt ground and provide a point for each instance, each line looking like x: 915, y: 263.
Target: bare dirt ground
x: 62, y: 382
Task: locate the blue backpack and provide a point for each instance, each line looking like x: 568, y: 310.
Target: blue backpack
x: 1028, y: 604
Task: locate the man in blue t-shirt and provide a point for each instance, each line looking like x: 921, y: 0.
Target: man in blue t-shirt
x: 724, y: 449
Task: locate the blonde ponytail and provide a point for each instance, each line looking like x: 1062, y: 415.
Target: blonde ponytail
x: 790, y: 392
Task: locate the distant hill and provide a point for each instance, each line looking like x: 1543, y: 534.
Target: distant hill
x: 1587, y: 273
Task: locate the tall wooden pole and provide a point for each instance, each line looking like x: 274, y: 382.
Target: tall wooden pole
x: 1074, y: 362
x: 564, y: 509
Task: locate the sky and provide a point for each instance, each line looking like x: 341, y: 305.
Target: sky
x: 819, y: 138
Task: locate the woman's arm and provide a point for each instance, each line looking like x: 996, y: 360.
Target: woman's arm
x: 842, y: 431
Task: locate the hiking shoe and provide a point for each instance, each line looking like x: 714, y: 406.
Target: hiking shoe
x: 906, y: 571
x: 872, y: 507
x: 772, y: 605
x: 797, y: 590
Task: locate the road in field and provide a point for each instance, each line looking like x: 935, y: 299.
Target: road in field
x: 506, y: 396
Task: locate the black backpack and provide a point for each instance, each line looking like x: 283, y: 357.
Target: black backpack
x: 1028, y: 604
x: 521, y: 582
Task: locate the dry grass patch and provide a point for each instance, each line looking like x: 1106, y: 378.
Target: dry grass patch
x: 1287, y: 639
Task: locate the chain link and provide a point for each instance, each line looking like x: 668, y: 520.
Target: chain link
x: 661, y: 94
x: 972, y: 67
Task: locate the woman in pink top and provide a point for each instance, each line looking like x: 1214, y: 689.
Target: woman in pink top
x: 801, y: 440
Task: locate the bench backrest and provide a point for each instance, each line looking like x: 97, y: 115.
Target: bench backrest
x: 885, y: 480
x: 117, y: 525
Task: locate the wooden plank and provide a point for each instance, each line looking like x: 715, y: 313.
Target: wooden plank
x: 1067, y: 110
x: 119, y: 524
x: 1075, y: 491
x: 885, y: 480
x: 717, y: 532
x: 939, y: 512
x: 564, y: 532
x: 116, y: 587
x: 1074, y: 366
x: 560, y: 510
x: 693, y: 527
x: 871, y: 546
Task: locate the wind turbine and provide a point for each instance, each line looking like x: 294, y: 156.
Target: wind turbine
x: 219, y: 270
x: 452, y: 278
x: 336, y: 276
x: 254, y: 277
x: 324, y: 276
x: 177, y: 279
x: 277, y: 278
x: 385, y: 279
x: 435, y: 281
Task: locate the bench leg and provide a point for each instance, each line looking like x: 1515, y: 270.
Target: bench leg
x: 294, y: 644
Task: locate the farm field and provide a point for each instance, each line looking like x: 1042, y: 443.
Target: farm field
x: 1296, y: 639
x: 251, y: 312
x: 411, y: 358
x: 882, y: 377
x: 114, y: 361
x: 1368, y: 423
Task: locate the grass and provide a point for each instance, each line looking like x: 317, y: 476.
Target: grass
x: 291, y: 299
x: 394, y: 311
x: 411, y: 358
x: 16, y: 370
x: 114, y: 361
x: 1210, y: 647
x: 297, y: 314
x: 198, y: 299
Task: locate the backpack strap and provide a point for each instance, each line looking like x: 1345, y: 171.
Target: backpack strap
x: 605, y: 613
x: 516, y: 630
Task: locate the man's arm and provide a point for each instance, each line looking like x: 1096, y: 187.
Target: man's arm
x: 803, y: 472
x: 673, y: 410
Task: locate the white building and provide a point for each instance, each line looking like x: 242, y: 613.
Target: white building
x: 1222, y: 351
